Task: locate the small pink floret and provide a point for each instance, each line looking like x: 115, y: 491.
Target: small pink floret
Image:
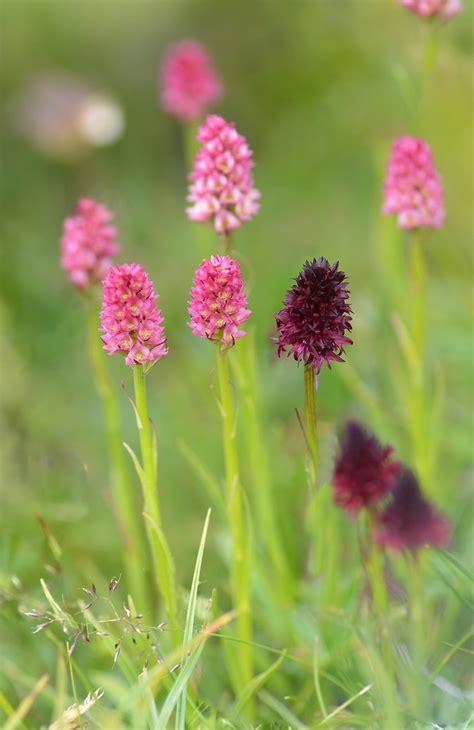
x: 88, y: 243
x: 131, y: 322
x: 221, y: 189
x: 412, y: 189
x: 189, y: 83
x: 444, y: 9
x: 218, y: 305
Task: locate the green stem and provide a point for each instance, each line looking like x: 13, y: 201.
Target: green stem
x: 418, y: 637
x: 162, y: 559
x: 418, y: 327
x: 375, y: 569
x: 429, y: 55
x: 240, y: 570
x: 310, y: 422
x: 125, y: 500
x: 244, y: 367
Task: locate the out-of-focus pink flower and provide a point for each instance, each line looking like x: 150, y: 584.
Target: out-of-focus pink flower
x: 316, y: 315
x: 364, y: 471
x: 88, y: 243
x: 218, y: 305
x: 222, y: 185
x: 189, y: 83
x: 413, y: 189
x: 131, y: 322
x: 444, y: 9
x: 409, y: 521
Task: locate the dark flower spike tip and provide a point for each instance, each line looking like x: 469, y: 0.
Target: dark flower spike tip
x: 313, y: 323
x: 364, y: 471
x: 410, y: 521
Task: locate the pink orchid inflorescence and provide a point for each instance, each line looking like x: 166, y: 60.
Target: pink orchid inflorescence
x: 189, y: 83
x: 131, y: 322
x: 443, y: 9
x: 88, y: 243
x: 218, y: 305
x: 412, y: 188
x: 222, y: 188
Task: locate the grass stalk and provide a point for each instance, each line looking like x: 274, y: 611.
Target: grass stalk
x: 311, y: 423
x: 245, y: 369
x: 123, y: 493
x: 240, y: 569
x: 148, y: 472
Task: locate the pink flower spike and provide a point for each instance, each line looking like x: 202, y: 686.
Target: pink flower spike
x: 189, y: 83
x: 412, y: 189
x: 131, y: 323
x: 218, y: 305
x: 88, y: 243
x: 444, y: 9
x: 221, y: 189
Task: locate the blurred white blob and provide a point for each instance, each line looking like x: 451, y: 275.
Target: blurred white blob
x: 63, y: 117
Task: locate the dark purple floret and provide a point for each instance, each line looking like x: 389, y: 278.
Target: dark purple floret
x: 312, y: 324
x: 410, y: 521
x: 364, y: 471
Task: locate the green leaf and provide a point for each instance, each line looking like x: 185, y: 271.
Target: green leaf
x: 254, y: 685
x: 189, y: 625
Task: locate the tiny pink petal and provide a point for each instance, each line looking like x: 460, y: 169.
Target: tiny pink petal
x: 130, y: 321
x: 221, y: 187
x: 189, y: 82
x: 412, y: 189
x: 218, y: 305
x: 88, y: 243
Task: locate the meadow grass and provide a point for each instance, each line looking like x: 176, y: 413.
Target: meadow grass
x: 319, y: 628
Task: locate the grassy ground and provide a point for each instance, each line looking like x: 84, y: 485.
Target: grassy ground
x: 320, y: 88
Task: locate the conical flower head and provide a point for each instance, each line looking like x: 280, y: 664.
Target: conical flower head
x: 88, y: 243
x: 413, y: 190
x: 364, y: 471
x: 131, y: 322
x: 221, y: 189
x: 218, y: 305
x: 443, y: 9
x: 409, y: 521
x: 313, y: 323
x: 189, y: 82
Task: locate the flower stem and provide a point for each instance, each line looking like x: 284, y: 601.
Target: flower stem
x: 240, y: 570
x: 244, y: 367
x: 418, y: 638
x: 311, y: 423
x: 418, y: 325
x: 125, y: 500
x: 429, y: 54
x: 163, y: 562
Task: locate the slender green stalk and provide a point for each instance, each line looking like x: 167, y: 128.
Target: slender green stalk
x: 429, y: 54
x: 125, y: 500
x: 418, y: 637
x: 163, y: 562
x: 310, y: 423
x: 417, y: 404
x: 240, y: 570
x: 244, y: 367
x: 375, y: 570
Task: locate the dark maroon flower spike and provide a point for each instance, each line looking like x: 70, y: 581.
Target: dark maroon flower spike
x: 312, y: 327
x: 316, y: 315
x: 364, y: 471
x: 410, y: 521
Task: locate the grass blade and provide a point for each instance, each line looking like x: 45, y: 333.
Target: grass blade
x: 189, y: 625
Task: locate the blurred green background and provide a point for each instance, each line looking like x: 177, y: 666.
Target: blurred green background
x: 320, y: 88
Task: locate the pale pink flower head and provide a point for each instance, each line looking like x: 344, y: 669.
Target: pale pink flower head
x: 412, y: 188
x: 131, y: 322
x: 218, y: 305
x: 189, y: 83
x: 221, y: 189
x: 444, y: 9
x: 88, y: 243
